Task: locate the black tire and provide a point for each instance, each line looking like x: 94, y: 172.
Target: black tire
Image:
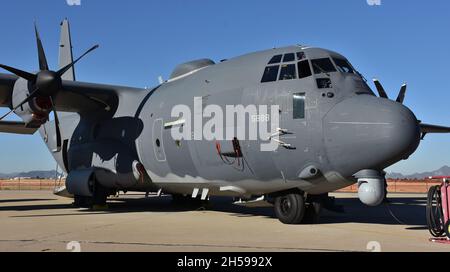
x: 435, y: 217
x: 82, y: 202
x: 100, y: 196
x: 290, y: 208
x: 312, y: 215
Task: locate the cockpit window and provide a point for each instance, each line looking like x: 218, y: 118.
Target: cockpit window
x: 322, y: 66
x: 288, y: 72
x: 301, y: 56
x: 289, y: 57
x: 343, y: 66
x: 276, y: 59
x: 303, y: 69
x: 270, y: 74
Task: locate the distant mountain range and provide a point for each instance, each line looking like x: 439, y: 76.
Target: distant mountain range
x: 31, y: 174
x: 443, y: 171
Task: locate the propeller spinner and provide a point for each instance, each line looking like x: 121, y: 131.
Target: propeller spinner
x: 46, y: 83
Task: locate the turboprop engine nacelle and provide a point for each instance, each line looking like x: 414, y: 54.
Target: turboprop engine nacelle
x: 372, y: 189
x: 36, y: 112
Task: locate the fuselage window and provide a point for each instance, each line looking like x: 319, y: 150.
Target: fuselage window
x: 276, y: 59
x: 299, y: 105
x: 322, y: 66
x: 288, y: 72
x: 303, y: 69
x: 301, y: 56
x: 343, y: 66
x: 289, y: 57
x: 270, y: 74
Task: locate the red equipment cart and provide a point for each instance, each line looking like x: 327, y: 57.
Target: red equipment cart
x: 438, y: 208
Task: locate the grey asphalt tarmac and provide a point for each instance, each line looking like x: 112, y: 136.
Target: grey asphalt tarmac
x: 39, y: 221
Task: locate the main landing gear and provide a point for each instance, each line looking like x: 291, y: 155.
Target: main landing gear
x: 186, y: 201
x: 97, y: 201
x: 294, y: 208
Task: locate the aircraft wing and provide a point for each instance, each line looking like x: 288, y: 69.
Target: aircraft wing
x: 427, y: 128
x: 74, y: 97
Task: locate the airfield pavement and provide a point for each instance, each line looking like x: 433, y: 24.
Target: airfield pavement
x: 35, y: 221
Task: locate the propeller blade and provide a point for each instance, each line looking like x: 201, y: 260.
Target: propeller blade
x: 67, y: 67
x: 401, y: 95
x: 380, y: 89
x: 43, y: 65
x: 28, y: 99
x: 19, y: 73
x: 57, y: 128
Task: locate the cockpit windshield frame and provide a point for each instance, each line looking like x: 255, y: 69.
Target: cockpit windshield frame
x: 323, y: 66
x: 343, y: 65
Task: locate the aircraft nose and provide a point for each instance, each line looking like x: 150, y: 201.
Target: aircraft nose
x: 366, y: 132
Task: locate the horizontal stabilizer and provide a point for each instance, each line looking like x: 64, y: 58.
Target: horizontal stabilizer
x: 16, y: 128
x: 426, y: 128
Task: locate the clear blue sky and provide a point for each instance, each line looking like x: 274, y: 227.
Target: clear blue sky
x: 398, y: 41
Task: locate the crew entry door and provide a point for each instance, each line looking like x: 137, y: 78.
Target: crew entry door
x: 293, y: 135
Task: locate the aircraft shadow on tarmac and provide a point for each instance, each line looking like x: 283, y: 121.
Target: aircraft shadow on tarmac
x: 409, y: 211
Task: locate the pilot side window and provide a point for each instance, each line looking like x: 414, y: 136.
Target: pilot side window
x: 270, y: 74
x: 322, y: 66
x: 303, y: 69
x: 299, y: 105
x: 343, y: 66
x: 288, y: 72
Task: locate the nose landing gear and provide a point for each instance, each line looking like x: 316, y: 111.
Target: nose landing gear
x: 290, y: 208
x: 293, y: 207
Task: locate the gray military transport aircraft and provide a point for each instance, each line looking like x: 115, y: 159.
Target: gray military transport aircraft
x: 333, y: 130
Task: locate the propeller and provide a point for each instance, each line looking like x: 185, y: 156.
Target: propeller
x: 381, y: 91
x: 46, y: 83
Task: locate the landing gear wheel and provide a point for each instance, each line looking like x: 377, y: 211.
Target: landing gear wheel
x: 100, y: 196
x: 96, y: 202
x: 312, y: 215
x: 290, y: 208
x: 82, y: 202
x: 434, y: 212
